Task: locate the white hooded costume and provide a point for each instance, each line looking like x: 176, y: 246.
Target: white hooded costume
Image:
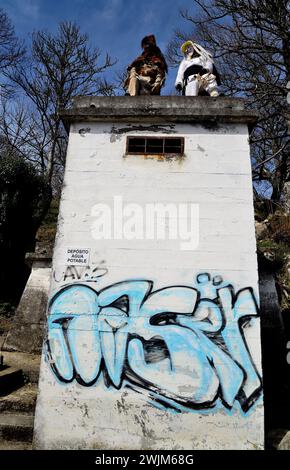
x: 196, y: 72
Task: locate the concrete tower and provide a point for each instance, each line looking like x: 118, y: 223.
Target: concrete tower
x: 153, y: 336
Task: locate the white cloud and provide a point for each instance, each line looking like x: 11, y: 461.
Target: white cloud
x: 111, y: 9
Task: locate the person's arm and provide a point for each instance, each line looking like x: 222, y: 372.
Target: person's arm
x: 159, y: 80
x: 180, y: 75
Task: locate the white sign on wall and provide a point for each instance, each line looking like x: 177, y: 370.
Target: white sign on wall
x: 77, y: 256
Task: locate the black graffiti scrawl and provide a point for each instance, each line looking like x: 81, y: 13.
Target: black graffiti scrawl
x: 184, y: 346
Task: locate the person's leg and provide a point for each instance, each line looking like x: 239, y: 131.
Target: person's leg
x: 192, y: 88
x: 133, y: 86
x: 211, y: 85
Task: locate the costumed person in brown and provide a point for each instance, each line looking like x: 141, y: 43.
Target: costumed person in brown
x: 146, y: 74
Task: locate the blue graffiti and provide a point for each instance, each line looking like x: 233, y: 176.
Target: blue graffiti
x: 184, y: 348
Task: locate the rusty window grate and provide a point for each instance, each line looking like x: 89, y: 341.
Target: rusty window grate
x: 155, y: 145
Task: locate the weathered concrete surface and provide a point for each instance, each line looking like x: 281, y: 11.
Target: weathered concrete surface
x: 159, y: 109
x: 16, y: 427
x: 285, y: 442
x: 16, y: 418
x: 129, y: 422
x: 15, y: 445
x: 21, y: 400
x: 273, y: 438
x: 28, y: 363
x: 113, y: 372
x: 26, y: 334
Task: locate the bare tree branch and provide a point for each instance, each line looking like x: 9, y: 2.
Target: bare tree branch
x: 251, y: 43
x: 59, y: 66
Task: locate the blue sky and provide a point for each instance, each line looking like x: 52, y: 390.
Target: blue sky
x: 115, y: 26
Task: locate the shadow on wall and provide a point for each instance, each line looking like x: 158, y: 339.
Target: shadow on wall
x: 276, y: 371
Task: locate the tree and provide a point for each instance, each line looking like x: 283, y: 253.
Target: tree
x: 251, y: 41
x: 60, y: 66
x: 24, y: 200
x: 11, y: 49
x: 23, y: 133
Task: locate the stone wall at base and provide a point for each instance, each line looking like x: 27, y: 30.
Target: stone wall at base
x: 27, y: 332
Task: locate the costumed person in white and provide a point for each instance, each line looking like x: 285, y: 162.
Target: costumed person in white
x: 197, y: 73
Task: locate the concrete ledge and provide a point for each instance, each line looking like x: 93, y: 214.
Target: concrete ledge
x: 22, y: 400
x: 16, y: 427
x: 161, y: 108
x: 29, y: 363
x: 10, y: 378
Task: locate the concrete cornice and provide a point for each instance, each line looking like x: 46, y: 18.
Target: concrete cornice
x: 158, y: 109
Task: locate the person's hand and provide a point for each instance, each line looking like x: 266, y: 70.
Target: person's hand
x: 178, y: 87
x: 157, y: 85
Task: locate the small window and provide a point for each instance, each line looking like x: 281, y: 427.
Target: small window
x: 155, y: 145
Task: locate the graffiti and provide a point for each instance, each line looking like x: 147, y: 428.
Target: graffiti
x: 184, y: 346
x: 86, y: 273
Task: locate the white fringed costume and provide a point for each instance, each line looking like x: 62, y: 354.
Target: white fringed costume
x: 196, y: 72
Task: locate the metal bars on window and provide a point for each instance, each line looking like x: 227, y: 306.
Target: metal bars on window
x: 155, y: 145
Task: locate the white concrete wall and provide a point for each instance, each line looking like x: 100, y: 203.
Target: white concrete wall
x: 189, y: 394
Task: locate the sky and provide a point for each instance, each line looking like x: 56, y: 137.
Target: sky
x: 114, y: 26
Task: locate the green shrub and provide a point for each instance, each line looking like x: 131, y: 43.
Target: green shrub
x: 24, y: 199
